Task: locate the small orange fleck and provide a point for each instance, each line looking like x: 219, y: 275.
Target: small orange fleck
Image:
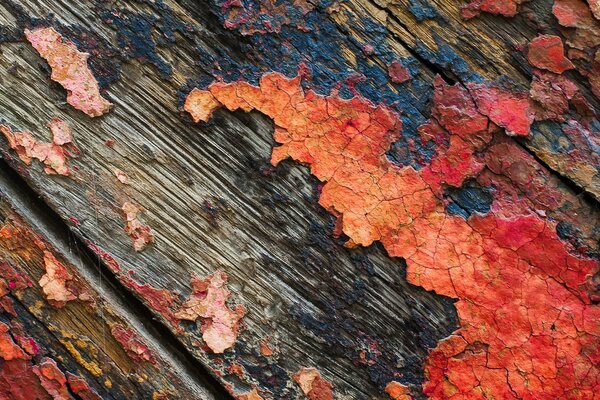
x: 265, y: 347
x: 253, y: 395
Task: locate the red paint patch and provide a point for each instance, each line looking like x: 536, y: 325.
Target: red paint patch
x: 104, y: 256
x: 508, y: 8
x: 80, y: 387
x: 547, y: 52
x: 52, y: 379
x: 550, y: 95
x: 398, y: 73
x: 134, y: 347
x: 220, y: 324
x: 140, y: 233
x: 509, y: 110
x: 70, y: 69
x: 313, y: 385
x: 53, y: 156
x: 160, y: 300
x: 528, y: 326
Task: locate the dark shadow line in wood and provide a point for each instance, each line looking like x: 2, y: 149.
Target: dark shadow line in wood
x: 34, y: 208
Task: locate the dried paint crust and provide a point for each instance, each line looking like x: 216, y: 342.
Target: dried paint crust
x: 141, y: 234
x: 54, y: 155
x: 70, y: 69
x: 313, y: 385
x: 208, y: 302
x: 529, y: 328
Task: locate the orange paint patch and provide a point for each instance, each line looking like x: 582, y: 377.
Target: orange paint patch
x: 528, y: 326
x: 70, y: 69
x: 200, y: 105
x: 208, y: 301
x: 398, y: 391
x: 253, y: 395
x: 313, y: 385
x: 52, y: 379
x: 140, y: 233
x: 54, y: 155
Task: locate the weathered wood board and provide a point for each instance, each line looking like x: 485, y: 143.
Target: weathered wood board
x: 484, y: 158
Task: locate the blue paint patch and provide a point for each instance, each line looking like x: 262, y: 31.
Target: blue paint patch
x: 468, y: 199
x: 422, y: 10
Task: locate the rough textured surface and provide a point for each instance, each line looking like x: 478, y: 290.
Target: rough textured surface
x: 421, y: 168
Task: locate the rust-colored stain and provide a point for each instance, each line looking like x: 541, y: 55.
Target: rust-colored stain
x: 137, y: 350
x: 208, y: 302
x: 53, y: 155
x: 547, y: 52
x: 70, y: 69
x: 397, y: 391
x: 313, y: 385
x: 265, y: 347
x: 529, y: 328
x: 141, y: 234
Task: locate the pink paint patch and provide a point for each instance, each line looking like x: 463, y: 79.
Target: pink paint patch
x: 70, y: 69
x: 509, y: 110
x: 54, y: 281
x: 122, y: 177
x: 208, y: 301
x: 140, y: 233
x: 547, y: 52
x: 398, y: 73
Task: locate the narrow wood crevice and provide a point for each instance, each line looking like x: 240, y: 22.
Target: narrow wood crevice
x: 46, y: 221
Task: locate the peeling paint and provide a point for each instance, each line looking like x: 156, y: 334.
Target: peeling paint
x: 547, y: 52
x: 252, y: 395
x: 398, y: 73
x: 133, y: 345
x: 54, y: 281
x: 141, y: 234
x: 528, y: 325
x: 69, y: 68
x: 313, y: 385
x: 507, y: 8
x: 208, y: 302
x: 398, y: 391
x: 54, y: 155
x: 122, y: 176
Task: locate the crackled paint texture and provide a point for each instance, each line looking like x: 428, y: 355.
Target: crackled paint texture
x: 54, y: 155
x: 507, y: 8
x: 547, y: 52
x: 208, y: 302
x: 528, y: 325
x: 69, y: 68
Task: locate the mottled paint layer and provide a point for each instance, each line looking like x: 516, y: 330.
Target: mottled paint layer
x: 528, y: 325
x: 69, y: 68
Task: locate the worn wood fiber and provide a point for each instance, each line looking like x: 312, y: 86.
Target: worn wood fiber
x: 206, y: 197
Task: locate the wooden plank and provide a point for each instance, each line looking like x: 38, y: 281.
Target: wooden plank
x: 214, y: 201
x: 67, y: 325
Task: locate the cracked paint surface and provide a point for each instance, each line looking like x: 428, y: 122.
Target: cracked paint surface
x: 53, y: 155
x: 313, y: 385
x: 398, y: 391
x: 208, y: 302
x: 529, y: 328
x: 140, y: 233
x: 69, y: 68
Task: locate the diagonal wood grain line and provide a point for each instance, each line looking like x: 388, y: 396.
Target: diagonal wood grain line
x: 45, y: 221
